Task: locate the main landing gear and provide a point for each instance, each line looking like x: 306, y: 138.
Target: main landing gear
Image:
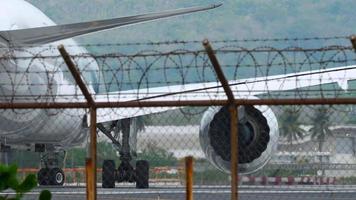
x: 125, y: 172
x: 50, y: 174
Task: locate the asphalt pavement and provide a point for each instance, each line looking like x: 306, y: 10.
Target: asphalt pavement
x: 204, y: 192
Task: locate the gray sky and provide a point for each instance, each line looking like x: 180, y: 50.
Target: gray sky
x: 235, y: 20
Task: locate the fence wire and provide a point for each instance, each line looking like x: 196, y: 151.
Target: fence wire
x: 285, y: 152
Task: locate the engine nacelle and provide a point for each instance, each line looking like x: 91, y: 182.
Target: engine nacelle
x: 257, y: 132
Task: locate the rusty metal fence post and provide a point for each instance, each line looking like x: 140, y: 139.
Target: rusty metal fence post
x: 353, y: 41
x: 189, y: 177
x: 91, y: 162
x: 234, y: 150
x: 233, y: 118
x: 91, y: 195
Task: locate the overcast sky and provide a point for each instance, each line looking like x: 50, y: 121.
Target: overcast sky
x: 235, y: 19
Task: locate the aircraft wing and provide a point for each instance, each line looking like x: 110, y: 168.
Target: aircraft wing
x: 48, y: 34
x: 242, y: 89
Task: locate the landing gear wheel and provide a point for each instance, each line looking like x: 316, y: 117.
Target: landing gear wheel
x: 43, y: 176
x: 108, y: 175
x: 142, y: 174
x: 56, y: 176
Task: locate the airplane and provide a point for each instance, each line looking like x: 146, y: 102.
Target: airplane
x: 49, y: 132
x: 23, y: 29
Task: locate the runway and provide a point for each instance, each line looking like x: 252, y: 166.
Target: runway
x: 204, y: 192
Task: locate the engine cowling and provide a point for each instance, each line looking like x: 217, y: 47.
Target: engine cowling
x: 258, y: 135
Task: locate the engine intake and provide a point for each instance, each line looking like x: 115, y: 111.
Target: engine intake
x: 258, y: 134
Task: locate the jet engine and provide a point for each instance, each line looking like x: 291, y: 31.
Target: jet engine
x: 257, y: 137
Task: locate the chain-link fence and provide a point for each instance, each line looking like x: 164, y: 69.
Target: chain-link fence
x: 153, y: 108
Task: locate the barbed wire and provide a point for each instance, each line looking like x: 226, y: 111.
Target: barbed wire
x: 219, y: 41
x: 178, y: 73
x: 185, y: 42
x: 151, y: 53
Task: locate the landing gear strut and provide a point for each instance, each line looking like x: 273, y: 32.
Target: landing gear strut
x: 125, y: 172
x: 50, y: 174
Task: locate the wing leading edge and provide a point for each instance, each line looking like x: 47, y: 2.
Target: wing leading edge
x: 48, y: 34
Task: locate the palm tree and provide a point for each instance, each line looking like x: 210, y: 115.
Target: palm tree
x: 290, y: 126
x: 321, y: 126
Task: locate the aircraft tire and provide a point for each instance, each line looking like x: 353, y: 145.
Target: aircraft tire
x: 142, y: 174
x: 108, y: 174
x: 43, y: 176
x: 56, y: 176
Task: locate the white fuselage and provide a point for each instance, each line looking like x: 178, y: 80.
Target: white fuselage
x: 20, y: 81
